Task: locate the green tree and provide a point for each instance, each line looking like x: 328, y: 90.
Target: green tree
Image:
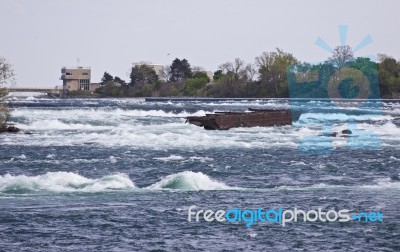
x: 201, y: 75
x: 272, y: 70
x: 198, y: 81
x: 180, y: 70
x: 194, y: 85
x: 119, y: 81
x: 143, y: 74
x: 106, y: 78
x: 109, y: 89
x: 389, y: 75
x: 217, y: 75
x: 6, y: 77
x: 370, y: 69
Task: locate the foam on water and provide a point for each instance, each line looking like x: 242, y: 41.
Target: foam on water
x: 378, y: 184
x: 112, y: 159
x: 95, y: 114
x: 169, y: 158
x: 159, y: 129
x: 163, y: 135
x: 72, y: 182
x: 201, y: 159
x: 63, y: 182
x: 46, y: 125
x: 189, y: 180
x: 383, y: 184
x: 387, y: 129
x: 314, y: 117
x: 319, y: 186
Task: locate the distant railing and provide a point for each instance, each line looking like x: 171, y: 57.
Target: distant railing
x: 41, y: 90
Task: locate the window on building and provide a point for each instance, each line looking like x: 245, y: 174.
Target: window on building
x: 84, y: 84
x: 68, y: 73
x: 85, y: 73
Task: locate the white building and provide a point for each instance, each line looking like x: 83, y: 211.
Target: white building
x: 77, y: 78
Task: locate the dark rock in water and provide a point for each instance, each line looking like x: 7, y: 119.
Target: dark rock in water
x: 9, y: 129
x: 346, y: 132
x: 336, y: 134
x: 12, y: 129
x: 395, y: 178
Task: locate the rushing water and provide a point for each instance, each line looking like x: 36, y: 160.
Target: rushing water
x: 121, y: 174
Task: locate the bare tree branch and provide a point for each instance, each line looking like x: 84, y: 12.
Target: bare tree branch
x: 341, y: 56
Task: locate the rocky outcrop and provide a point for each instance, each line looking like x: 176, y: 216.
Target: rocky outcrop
x: 9, y: 129
x: 346, y: 132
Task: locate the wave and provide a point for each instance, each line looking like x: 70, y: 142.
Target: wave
x: 389, y: 128
x: 162, y: 113
x: 63, y: 182
x: 392, y: 182
x: 159, y: 129
x: 170, y: 158
x: 159, y: 136
x: 60, y: 125
x: 385, y: 183
x: 189, y: 180
x: 95, y: 114
x: 72, y: 182
x: 312, y: 117
x: 201, y: 159
x: 31, y: 98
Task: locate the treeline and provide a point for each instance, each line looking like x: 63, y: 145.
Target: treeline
x: 272, y: 74
x: 6, y: 77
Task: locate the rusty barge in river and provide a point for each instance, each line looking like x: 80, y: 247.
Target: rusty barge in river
x: 253, y: 118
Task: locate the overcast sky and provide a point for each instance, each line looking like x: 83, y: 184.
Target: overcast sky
x: 39, y: 37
